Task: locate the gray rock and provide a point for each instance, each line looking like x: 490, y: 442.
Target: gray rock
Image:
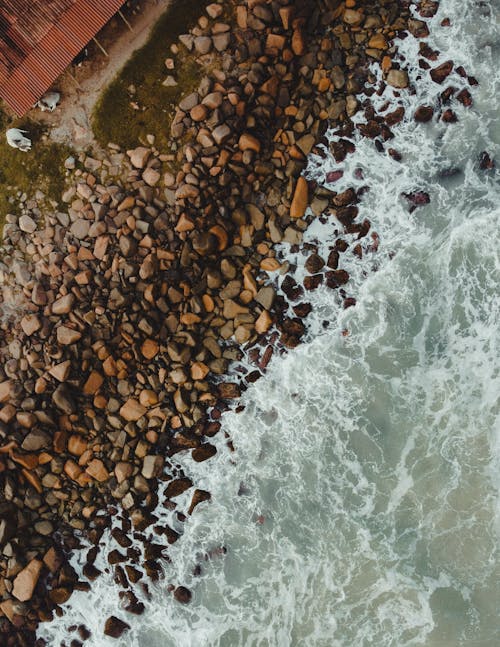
x: 203, y: 44
x: 27, y: 224
x: 35, y: 440
x: 189, y: 102
x: 221, y: 134
x: 265, y: 296
x: 221, y: 41
x: 80, y: 228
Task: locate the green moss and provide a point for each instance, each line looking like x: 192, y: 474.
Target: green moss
x: 115, y: 119
x: 41, y: 168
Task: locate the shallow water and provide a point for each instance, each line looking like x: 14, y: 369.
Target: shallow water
x: 361, y: 504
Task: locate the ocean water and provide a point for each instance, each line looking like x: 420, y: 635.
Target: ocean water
x: 361, y: 504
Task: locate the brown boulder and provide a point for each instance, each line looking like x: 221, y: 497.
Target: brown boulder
x: 132, y: 410
x: 300, y: 199
x: 439, y: 73
x: 115, y: 627
x: 26, y: 580
x: 182, y: 595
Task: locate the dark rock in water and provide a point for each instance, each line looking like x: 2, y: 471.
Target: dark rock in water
x: 346, y: 215
x: 346, y: 197
x: 428, y: 8
x: 349, y: 302
x: 183, y: 595
x: 371, y: 129
x: 336, y: 278
x: 396, y: 155
x: 333, y: 176
x: 198, y: 497
x: 115, y: 627
x: 228, y: 390
x: 203, y: 453
x: 393, y: 118
x: 417, y: 198
x: 465, y: 98
x: 312, y: 282
x: 439, y: 73
x: 449, y: 117
x: 423, y: 114
x: 333, y: 259
x: 177, y: 487
x: 291, y: 288
x: 447, y: 94
x: 302, y: 309
x: 314, y: 263
x: 486, y: 162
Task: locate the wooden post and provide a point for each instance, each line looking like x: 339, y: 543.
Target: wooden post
x: 100, y: 46
x: 124, y: 19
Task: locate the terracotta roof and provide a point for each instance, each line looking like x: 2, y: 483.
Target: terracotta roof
x: 39, y: 39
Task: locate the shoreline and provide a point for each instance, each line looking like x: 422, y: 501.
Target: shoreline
x: 197, y: 257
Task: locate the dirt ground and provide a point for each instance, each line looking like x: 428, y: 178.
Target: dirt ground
x: 81, y: 85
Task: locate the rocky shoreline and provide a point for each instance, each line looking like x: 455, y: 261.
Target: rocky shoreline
x: 124, y: 311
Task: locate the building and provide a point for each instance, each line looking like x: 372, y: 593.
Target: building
x: 39, y: 39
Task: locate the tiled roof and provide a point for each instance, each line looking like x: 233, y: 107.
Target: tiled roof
x: 39, y: 39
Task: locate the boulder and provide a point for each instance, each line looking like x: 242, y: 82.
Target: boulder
x: 300, y: 199
x: 26, y: 580
x: 139, y: 156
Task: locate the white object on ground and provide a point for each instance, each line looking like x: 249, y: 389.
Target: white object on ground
x: 16, y: 139
x: 49, y: 101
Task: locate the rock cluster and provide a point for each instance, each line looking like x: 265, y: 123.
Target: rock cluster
x: 123, y: 311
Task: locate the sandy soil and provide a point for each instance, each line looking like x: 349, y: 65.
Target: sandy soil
x: 81, y: 86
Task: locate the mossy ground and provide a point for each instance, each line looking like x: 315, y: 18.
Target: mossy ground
x: 42, y: 168
x: 115, y: 119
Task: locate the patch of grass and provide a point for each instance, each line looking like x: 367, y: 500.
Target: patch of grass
x: 41, y: 168
x: 114, y: 119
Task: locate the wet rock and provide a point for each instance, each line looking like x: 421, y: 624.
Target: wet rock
x: 441, y: 72
x: 449, y: 117
x: 177, y: 487
x: 423, y: 114
x: 152, y: 466
x: 314, y: 263
x: 418, y: 198
x: 198, y: 497
x: 115, y: 627
x: 397, y: 78
x: 465, y: 98
x: 486, y: 162
x: 203, y: 453
x: 336, y: 278
x: 228, y: 390
x: 182, y: 595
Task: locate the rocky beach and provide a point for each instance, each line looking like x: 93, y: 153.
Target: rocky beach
x: 139, y: 309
